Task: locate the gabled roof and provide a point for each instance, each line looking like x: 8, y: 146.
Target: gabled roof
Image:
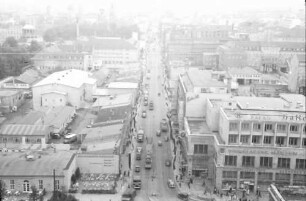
x: 73, y: 78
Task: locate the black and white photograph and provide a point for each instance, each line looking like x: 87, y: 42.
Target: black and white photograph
x: 152, y: 100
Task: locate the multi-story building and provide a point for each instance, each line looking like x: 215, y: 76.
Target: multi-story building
x: 54, y: 58
x: 114, y: 53
x: 210, y: 61
x: 249, y: 142
x: 297, y: 80
x: 11, y: 31
x: 231, y: 57
x: 69, y: 87
x: 190, y: 42
x: 45, y: 170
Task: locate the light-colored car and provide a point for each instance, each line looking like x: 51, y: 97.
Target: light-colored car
x: 160, y: 143
x: 144, y: 114
x: 168, y: 162
x: 158, y: 133
x: 170, y: 183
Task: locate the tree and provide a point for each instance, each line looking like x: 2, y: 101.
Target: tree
x: 73, y: 179
x: 60, y: 196
x: 2, y: 190
x: 34, y: 196
x: 77, y: 173
x: 10, y: 42
x: 34, y: 47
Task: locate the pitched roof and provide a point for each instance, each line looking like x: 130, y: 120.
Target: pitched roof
x: 15, y: 164
x: 73, y: 78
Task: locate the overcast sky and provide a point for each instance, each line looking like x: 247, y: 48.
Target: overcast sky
x: 175, y: 6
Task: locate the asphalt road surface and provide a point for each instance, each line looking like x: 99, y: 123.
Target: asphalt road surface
x: 154, y: 181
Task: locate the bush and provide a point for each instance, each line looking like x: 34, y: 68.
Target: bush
x: 77, y: 173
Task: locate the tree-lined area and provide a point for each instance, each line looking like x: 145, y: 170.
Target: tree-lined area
x: 68, y: 31
x: 14, y: 57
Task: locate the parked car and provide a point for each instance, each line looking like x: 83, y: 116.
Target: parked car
x: 170, y: 183
x: 137, y: 168
x: 168, y: 163
x: 144, y: 114
x: 55, y: 136
x: 158, y: 133
x: 166, y: 138
x: 145, y: 103
x: 183, y: 196
x: 160, y: 143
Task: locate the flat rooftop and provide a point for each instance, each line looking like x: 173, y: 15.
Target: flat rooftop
x: 123, y: 85
x: 115, y: 100
x: 199, y: 127
x: 15, y: 163
x: 268, y: 103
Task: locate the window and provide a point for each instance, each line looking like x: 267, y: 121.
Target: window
x: 247, y: 175
x: 232, y: 138
x: 283, y: 163
x: 304, y: 142
x: 280, y: 141
x: 266, y: 162
x: 40, y: 184
x: 230, y: 160
x: 244, y: 139
x: 245, y: 126
x: 256, y: 139
x: 229, y: 174
x: 12, y: 184
x: 294, y: 128
x: 268, y: 127
x: 293, y: 141
x: 300, y: 164
x: 248, y: 161
x: 299, y: 180
x: 233, y: 127
x: 200, y: 149
x: 256, y: 127
x: 265, y: 176
x: 282, y: 178
x: 57, y: 186
x: 281, y: 128
x: 267, y: 139
x: 26, y: 186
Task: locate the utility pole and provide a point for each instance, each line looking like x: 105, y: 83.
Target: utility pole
x: 54, y: 186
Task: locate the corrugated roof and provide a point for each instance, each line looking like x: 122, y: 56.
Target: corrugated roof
x: 6, y: 93
x: 24, y: 130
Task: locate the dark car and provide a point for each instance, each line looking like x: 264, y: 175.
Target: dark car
x: 183, y: 196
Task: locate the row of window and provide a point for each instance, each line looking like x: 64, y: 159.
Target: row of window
x: 264, y: 162
x: 265, y: 176
x: 267, y: 127
x: 27, y: 188
x: 267, y: 140
x: 19, y: 140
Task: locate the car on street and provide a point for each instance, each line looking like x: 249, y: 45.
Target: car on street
x: 158, y: 133
x: 89, y: 126
x: 139, y: 149
x: 170, y: 183
x: 145, y: 103
x: 166, y: 138
x: 168, y: 162
x: 151, y: 105
x: 55, y: 136
x: 144, y: 114
x: 160, y: 143
x: 137, y: 168
x: 183, y: 196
